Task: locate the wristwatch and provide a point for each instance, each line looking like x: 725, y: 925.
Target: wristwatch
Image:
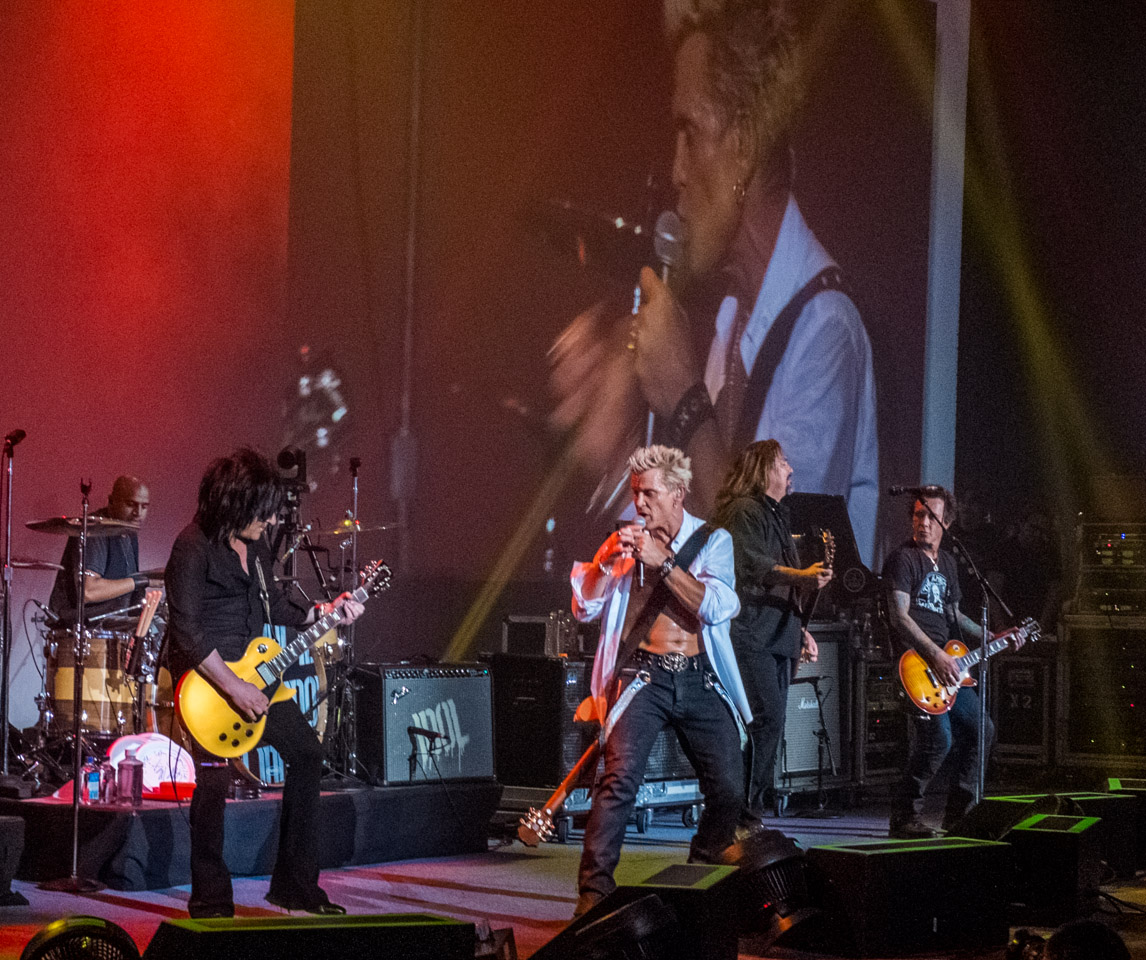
x: 666, y: 567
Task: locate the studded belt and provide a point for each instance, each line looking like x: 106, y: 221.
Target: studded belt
x: 670, y: 662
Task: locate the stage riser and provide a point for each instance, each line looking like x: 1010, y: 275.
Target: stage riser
x: 150, y: 850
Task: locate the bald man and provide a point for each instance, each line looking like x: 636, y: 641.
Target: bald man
x: 112, y: 562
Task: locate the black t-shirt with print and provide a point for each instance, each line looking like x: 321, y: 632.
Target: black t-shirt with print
x: 931, y: 586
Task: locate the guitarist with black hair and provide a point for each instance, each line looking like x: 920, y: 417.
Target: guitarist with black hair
x: 922, y: 582
x: 220, y: 591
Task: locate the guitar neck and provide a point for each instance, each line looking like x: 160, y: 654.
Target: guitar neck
x: 994, y: 646
x: 280, y: 663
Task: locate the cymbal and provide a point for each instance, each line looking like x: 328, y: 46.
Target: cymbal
x: 27, y: 563
x: 70, y: 526
x: 347, y: 527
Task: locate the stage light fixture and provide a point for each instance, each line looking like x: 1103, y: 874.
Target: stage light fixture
x: 81, y: 938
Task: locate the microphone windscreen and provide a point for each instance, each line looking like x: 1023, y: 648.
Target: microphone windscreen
x: 667, y: 241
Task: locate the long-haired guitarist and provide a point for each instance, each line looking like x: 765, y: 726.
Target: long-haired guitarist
x: 767, y: 634
x: 220, y: 590
x: 922, y: 581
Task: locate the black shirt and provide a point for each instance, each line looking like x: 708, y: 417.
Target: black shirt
x: 761, y: 541
x: 213, y: 604
x: 113, y: 558
x: 931, y: 587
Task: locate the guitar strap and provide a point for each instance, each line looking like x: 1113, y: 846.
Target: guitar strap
x: 652, y: 609
x: 263, y: 594
x: 772, y: 352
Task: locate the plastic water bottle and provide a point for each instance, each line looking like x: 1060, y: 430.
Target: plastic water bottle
x: 89, y: 781
x: 107, y: 781
x: 129, y: 781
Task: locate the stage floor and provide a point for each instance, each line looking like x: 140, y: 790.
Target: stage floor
x: 530, y: 890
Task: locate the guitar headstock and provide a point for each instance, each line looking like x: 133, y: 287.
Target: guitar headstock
x: 829, y: 548
x: 1030, y: 630
x: 535, y: 827
x: 375, y: 577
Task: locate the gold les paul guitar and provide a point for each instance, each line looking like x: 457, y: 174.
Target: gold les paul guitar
x: 931, y: 696
x: 209, y: 716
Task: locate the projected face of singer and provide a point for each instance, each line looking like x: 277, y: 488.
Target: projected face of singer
x: 711, y: 156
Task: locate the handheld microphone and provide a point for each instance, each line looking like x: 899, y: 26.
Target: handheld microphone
x: 639, y: 521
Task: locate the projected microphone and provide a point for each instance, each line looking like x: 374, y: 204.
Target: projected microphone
x: 667, y: 242
x: 931, y: 490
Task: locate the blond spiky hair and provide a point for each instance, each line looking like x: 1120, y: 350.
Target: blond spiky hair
x: 674, y: 466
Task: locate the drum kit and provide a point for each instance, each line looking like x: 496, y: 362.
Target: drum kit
x: 120, y: 687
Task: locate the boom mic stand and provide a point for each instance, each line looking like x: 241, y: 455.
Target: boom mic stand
x: 823, y: 745
x: 74, y: 883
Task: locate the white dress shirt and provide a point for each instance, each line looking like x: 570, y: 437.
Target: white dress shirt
x: 821, y: 403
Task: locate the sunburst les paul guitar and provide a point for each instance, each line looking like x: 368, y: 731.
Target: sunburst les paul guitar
x: 210, y: 717
x: 923, y: 687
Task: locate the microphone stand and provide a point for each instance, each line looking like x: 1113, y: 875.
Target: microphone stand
x: 823, y: 745
x: 74, y: 883
x: 6, y: 619
x: 987, y: 592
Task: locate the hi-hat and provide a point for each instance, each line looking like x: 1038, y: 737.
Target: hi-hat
x: 158, y: 573
x: 349, y: 526
x: 71, y: 526
x: 27, y: 563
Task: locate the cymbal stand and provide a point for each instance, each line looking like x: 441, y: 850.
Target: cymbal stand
x: 10, y: 442
x: 74, y: 883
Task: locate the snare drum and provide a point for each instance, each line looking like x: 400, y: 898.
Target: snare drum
x: 106, y: 696
x: 264, y: 765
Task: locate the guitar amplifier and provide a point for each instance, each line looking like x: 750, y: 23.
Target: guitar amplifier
x: 799, y: 756
x: 424, y: 724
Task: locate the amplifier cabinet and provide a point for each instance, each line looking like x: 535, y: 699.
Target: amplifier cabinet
x: 797, y: 764
x: 418, y: 724
x: 1102, y: 689
x: 1021, y: 686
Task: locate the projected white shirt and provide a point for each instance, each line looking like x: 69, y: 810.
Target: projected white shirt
x: 821, y: 403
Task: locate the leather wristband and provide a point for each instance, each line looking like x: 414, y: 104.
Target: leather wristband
x: 693, y: 408
x: 140, y: 579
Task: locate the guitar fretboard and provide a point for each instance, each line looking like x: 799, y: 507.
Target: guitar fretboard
x: 272, y: 669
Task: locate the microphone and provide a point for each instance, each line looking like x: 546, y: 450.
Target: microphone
x: 14, y: 438
x: 930, y: 490
x: 430, y: 735
x: 668, y: 244
x: 639, y: 521
x: 812, y: 680
x: 53, y: 617
x: 297, y: 542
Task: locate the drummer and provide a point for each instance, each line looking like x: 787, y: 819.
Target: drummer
x: 112, y: 563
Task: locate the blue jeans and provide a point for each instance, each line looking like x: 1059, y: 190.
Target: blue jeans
x: 687, y: 702
x: 930, y: 740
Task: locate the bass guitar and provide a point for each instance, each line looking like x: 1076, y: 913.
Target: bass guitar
x: 209, y: 716
x: 931, y: 696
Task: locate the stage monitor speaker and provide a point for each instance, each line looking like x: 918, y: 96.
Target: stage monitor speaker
x: 424, y: 724
x: 891, y: 896
x: 1136, y: 788
x: 696, y: 895
x: 411, y: 936
x: 1058, y: 868
x: 11, y: 849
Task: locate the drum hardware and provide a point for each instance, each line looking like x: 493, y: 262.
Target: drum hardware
x: 27, y: 563
x: 74, y: 883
